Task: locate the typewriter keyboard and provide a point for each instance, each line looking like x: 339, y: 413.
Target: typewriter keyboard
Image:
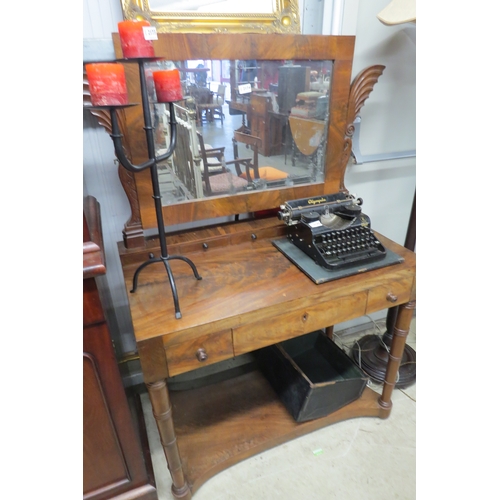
x: 348, y: 245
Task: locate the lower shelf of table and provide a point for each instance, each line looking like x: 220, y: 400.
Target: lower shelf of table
x: 224, y: 423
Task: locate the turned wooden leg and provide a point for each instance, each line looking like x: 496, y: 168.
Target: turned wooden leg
x: 162, y: 411
x: 400, y: 332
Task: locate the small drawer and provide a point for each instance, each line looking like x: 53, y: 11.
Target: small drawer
x: 259, y: 334
x: 202, y: 351
x: 389, y: 295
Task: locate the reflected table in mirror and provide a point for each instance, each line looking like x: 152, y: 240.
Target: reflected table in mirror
x: 308, y: 136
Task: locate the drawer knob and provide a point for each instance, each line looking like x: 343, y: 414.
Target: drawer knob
x: 391, y: 297
x: 201, y: 354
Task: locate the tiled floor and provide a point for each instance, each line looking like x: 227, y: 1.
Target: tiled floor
x: 359, y: 459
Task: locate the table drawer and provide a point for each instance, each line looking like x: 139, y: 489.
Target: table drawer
x: 270, y: 331
x: 199, y: 352
x: 389, y: 295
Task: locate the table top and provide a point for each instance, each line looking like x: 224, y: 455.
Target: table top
x: 244, y: 279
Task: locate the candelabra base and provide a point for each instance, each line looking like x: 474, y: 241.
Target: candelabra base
x: 170, y: 275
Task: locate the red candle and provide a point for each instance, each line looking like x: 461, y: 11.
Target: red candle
x: 132, y: 39
x: 107, y: 84
x: 168, y: 85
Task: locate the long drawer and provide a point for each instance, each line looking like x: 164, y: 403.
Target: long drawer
x: 276, y: 329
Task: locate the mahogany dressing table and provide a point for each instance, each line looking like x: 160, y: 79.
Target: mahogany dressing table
x: 252, y: 300
x: 250, y: 296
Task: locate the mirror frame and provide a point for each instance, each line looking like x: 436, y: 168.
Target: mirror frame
x: 284, y: 19
x: 177, y: 47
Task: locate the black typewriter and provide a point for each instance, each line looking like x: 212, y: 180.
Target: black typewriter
x: 332, y: 230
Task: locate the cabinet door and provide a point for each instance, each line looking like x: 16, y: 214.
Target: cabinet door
x: 113, y: 458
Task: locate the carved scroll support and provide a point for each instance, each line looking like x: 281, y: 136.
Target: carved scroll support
x: 360, y: 90
x: 133, y: 231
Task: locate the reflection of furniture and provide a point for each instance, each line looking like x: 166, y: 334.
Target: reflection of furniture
x: 213, y: 109
x: 212, y: 159
x: 239, y: 106
x: 254, y: 299
x: 280, y: 137
x: 308, y: 136
x: 291, y: 80
x: 244, y: 135
x: 310, y: 105
x: 266, y: 173
x: 259, y: 121
x: 263, y: 124
x: 271, y: 176
x: 186, y: 159
x: 114, y: 462
x: 201, y: 94
x: 222, y: 180
x: 202, y: 97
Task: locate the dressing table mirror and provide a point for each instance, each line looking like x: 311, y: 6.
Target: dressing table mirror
x: 250, y: 295
x: 328, y: 57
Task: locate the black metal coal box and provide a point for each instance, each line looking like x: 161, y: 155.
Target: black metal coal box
x: 312, y: 376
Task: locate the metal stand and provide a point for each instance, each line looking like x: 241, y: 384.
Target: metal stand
x: 371, y: 353
x: 152, y: 164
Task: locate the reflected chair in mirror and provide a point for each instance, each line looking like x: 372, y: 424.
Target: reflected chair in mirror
x: 202, y: 97
x: 258, y: 175
x: 214, y: 108
x: 186, y: 159
x: 217, y: 177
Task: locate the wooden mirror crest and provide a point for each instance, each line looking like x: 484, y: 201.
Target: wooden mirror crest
x: 345, y: 100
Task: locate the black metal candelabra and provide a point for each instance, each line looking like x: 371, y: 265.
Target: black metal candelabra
x: 152, y: 164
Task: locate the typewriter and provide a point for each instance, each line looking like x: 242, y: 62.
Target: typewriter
x: 332, y: 230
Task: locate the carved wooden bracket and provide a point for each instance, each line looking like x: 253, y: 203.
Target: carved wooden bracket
x: 133, y: 232
x: 361, y: 88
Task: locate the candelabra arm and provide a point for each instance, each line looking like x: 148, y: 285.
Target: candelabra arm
x: 119, y: 151
x: 148, y: 125
x: 173, y: 135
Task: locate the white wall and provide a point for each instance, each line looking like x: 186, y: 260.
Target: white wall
x: 388, y: 126
x: 388, y: 118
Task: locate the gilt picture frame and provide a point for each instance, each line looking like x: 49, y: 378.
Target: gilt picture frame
x: 210, y: 16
